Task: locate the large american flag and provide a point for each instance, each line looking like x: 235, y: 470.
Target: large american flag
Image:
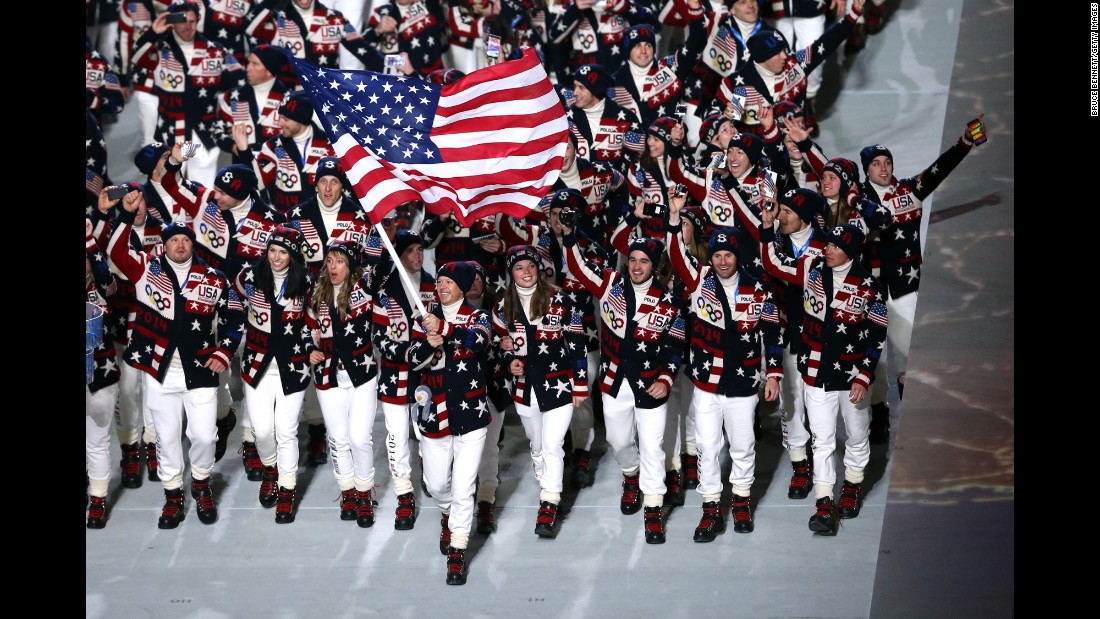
x: 491, y: 142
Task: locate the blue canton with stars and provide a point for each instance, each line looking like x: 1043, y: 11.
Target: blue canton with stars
x: 389, y: 115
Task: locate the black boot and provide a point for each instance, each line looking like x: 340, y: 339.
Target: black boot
x: 741, y: 507
x: 444, y: 534
x: 252, y: 464
x: 631, y: 500
x: 851, y: 500
x: 284, y: 506
x: 546, y: 524
x: 674, y: 490
x: 406, y: 512
x: 456, y: 566
x: 825, y: 521
x: 801, y: 480
x: 172, y: 513
x: 318, y: 450
x: 204, y: 501
x: 97, y: 512
x: 365, y: 509
x: 712, y: 523
x: 225, y: 426
x: 131, y: 466
x: 654, y: 526
x: 152, y: 463
x: 582, y: 469
x: 486, y: 522
x: 349, y: 504
x: 269, y: 487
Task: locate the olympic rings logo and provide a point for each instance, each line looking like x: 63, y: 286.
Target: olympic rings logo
x: 312, y: 249
x: 325, y: 324
x: 454, y: 226
x: 260, y: 318
x: 518, y: 342
x: 211, y: 236
x: 585, y: 41
x: 722, y: 213
x: 154, y: 296
x: 610, y: 318
x: 295, y: 46
x: 286, y: 179
x: 170, y: 80
x: 720, y: 61
x: 397, y: 331
x: 708, y: 311
x: 812, y: 303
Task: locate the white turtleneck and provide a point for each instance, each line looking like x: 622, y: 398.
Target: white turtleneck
x: 336, y: 288
x: 525, y: 295
x: 181, y: 269
x: 241, y: 211
x: 640, y: 76
x: 839, y: 273
x: 730, y: 286
x: 187, y: 47
x: 640, y: 291
x: 329, y: 214
x: 800, y: 240
x: 450, y: 312
x: 262, y: 90
x: 594, y: 114
x: 745, y: 28
x: 303, y: 140
x: 880, y: 190
x: 571, y: 176
x: 279, y: 277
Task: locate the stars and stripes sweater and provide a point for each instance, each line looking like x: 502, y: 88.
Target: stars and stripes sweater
x: 454, y: 372
x: 736, y: 344
x: 346, y: 342
x: 640, y: 345
x: 391, y: 332
x: 843, y: 329
x: 275, y: 331
x: 200, y: 321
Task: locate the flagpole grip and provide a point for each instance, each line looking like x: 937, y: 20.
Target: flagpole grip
x: 405, y: 281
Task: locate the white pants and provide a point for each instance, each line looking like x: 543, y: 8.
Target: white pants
x: 800, y: 33
x: 646, y: 458
x: 902, y: 312
x: 275, y: 422
x: 132, y: 419
x: 103, y: 38
x: 488, y: 472
x: 450, y: 471
x: 821, y: 408
x: 583, y: 425
x: 397, y: 445
x: 353, y: 12
x: 168, y: 402
x: 98, y: 407
x: 349, y: 413
x: 147, y: 103
x: 546, y: 433
x: 712, y: 413
x: 679, y: 421
x: 203, y: 166
x: 792, y: 404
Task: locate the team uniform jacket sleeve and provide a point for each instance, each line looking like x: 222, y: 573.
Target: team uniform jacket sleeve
x: 476, y: 337
x: 593, y: 282
x: 421, y: 353
x: 777, y: 263
x: 927, y: 181
x: 129, y: 261
x: 877, y: 323
x: 685, y: 265
x: 189, y: 196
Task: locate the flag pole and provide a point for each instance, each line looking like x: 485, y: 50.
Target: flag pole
x: 406, y: 283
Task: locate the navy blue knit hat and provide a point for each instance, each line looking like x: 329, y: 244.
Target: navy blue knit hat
x: 868, y: 154
x: 765, y: 44
x: 749, y: 143
x: 563, y: 198
x: 807, y: 204
x: 735, y: 240
x: 516, y: 253
x: 849, y: 238
x: 237, y: 180
x: 297, y: 107
x: 330, y: 166
x: 651, y: 247
x: 405, y: 239
x: 351, y: 250
x: 459, y: 272
x: 845, y: 170
x: 641, y: 33
x: 176, y: 227
x: 595, y: 78
x: 289, y: 239
x: 149, y: 156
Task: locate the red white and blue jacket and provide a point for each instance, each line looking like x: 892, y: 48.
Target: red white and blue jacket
x: 99, y: 292
x: 736, y: 344
x: 275, y: 330
x: 316, y: 39
x: 641, y: 346
x: 454, y: 372
x: 391, y: 331
x: 188, y: 91
x: 420, y: 32
x: 894, y: 254
x: 240, y: 105
x: 346, y: 342
x: 607, y: 140
x: 552, y: 350
x: 351, y: 224
x: 287, y: 176
x: 843, y: 330
x: 203, y: 320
